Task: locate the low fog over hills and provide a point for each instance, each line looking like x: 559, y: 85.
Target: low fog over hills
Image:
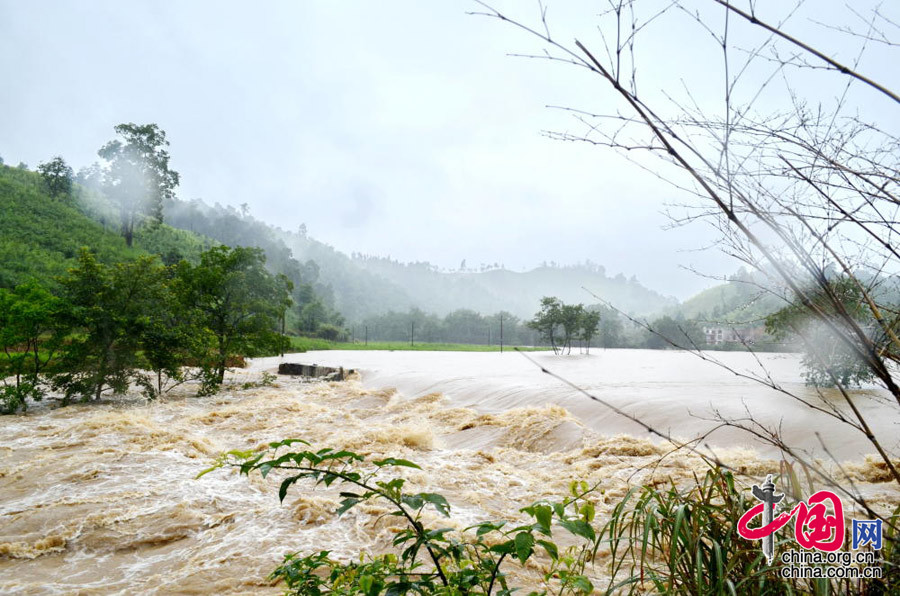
x: 361, y: 286
x: 495, y: 288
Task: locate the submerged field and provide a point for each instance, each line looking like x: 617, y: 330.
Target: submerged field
x: 102, y: 498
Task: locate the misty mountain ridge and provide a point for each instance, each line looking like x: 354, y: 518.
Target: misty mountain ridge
x: 41, y: 238
x: 496, y: 288
x: 363, y: 286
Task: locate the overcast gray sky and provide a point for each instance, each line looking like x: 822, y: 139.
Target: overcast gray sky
x: 396, y: 128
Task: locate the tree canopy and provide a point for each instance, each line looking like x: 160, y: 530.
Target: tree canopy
x: 58, y: 177
x: 561, y: 323
x: 138, y: 178
x: 827, y: 359
x: 237, y: 301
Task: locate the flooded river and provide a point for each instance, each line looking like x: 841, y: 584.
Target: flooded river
x: 101, y: 498
x: 675, y: 392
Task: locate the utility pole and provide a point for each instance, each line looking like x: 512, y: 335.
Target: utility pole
x: 501, y: 334
x: 412, y: 333
x: 367, y: 335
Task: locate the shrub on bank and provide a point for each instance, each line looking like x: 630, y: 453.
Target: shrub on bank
x: 663, y: 541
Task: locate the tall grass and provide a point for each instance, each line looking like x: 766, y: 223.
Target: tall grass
x: 685, y: 542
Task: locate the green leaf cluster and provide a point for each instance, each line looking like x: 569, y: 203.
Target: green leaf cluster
x: 668, y: 540
x: 138, y: 322
x: 427, y: 560
x: 138, y: 178
x: 31, y: 334
x: 829, y: 356
x: 233, y: 298
x: 561, y: 323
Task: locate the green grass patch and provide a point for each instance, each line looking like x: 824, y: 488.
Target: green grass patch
x: 306, y: 344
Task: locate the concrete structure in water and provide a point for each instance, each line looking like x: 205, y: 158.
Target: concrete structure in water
x: 314, y: 371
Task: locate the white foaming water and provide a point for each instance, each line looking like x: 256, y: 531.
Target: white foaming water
x: 674, y: 392
x: 102, y: 498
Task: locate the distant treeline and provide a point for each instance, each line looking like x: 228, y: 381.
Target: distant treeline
x: 612, y: 331
x: 469, y: 327
x: 461, y: 326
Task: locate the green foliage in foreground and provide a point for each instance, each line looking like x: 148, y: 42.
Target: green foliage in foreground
x: 307, y: 344
x: 439, y: 560
x: 663, y: 541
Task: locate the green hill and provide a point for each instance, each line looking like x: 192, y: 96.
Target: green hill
x: 41, y: 236
x: 740, y: 301
x: 495, y: 289
x: 359, y: 286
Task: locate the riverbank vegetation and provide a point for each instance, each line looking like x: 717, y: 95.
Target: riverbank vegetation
x: 806, y: 195
x: 793, y: 162
x: 138, y: 323
x: 657, y: 539
x: 560, y: 324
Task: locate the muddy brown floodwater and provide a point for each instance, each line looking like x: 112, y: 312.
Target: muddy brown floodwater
x: 102, y: 498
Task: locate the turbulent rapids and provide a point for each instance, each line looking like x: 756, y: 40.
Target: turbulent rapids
x: 102, y: 498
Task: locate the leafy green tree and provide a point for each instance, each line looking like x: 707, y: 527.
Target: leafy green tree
x: 286, y: 295
x: 462, y: 325
x: 312, y: 314
x: 237, y: 303
x: 168, y: 338
x: 331, y: 332
x: 561, y: 323
x: 827, y: 358
x: 91, y: 176
x: 58, y: 177
x: 588, y: 324
x: 31, y: 333
x: 111, y: 307
x: 138, y: 178
x: 508, y: 322
x: 547, y: 319
x: 570, y: 318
